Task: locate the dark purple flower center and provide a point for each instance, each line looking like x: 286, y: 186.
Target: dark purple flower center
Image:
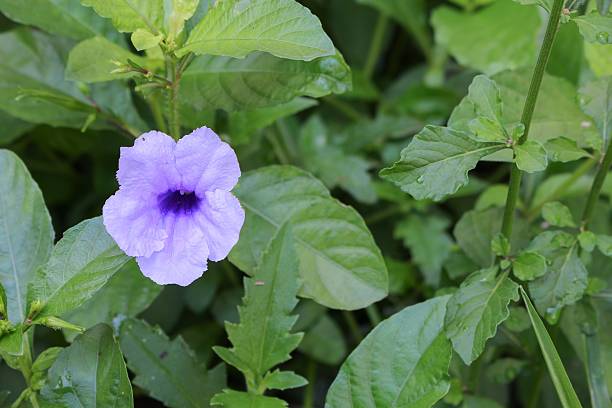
x: 178, y: 202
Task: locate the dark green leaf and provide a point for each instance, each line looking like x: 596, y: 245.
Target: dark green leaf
x: 324, y: 342
x: 528, y: 266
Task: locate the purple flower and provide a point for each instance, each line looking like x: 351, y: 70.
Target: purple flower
x: 174, y: 209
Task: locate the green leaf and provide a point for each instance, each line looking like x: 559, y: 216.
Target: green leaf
x: 130, y: 15
x: 176, y: 13
x: 260, y: 80
x: 89, y: 373
x: 62, y: 17
x: 168, y: 369
x: 559, y: 377
x: 557, y: 214
x: 332, y: 165
x: 500, y: 245
x: 545, y: 4
x: 144, y: 40
x: 596, y: 101
x: 587, y: 240
x: 410, y: 355
x: 80, y: 265
x: 530, y: 156
x: 12, y: 128
x: 436, y: 162
x: 411, y: 15
x: 595, y: 28
x: 93, y: 60
x: 243, y: 124
x: 11, y: 343
x: 505, y: 370
x: 604, y: 243
x: 324, y: 342
x: 563, y: 149
x: 126, y: 294
x: 431, y: 253
x: 236, y: 28
x: 503, y: 22
x: 476, y: 309
x: 26, y: 233
x: 557, y: 112
x: 599, y: 57
x: 477, y: 228
x: 566, y: 280
x: 518, y: 320
x: 41, y: 366
x: 283, y: 380
x: 334, y: 273
x: 263, y: 339
x: 485, y: 98
x: 238, y: 399
x: 528, y: 266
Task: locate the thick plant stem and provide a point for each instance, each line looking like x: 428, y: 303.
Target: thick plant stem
x: 528, y: 109
x: 596, y: 187
x: 173, y: 102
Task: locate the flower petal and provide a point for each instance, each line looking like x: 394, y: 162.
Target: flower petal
x: 183, y: 258
x: 149, y: 165
x: 206, y: 163
x: 135, y: 224
x: 220, y: 219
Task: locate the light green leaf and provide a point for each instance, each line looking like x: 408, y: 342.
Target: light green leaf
x: 263, y: 339
x: 80, y: 265
x: 11, y: 344
x: 238, y: 399
x: 595, y: 28
x: 236, y: 28
x: 587, y: 240
x: 530, y: 156
x: 41, y: 366
x: 283, y: 380
x: 557, y: 214
x: 168, y: 369
x: 324, y: 342
x: 545, y: 4
x: 599, y: 57
x: 410, y: 355
x: 243, y: 124
x: 334, y: 274
x: 436, y: 162
x: 93, y: 60
x: 332, y: 165
x: 476, y: 309
x: 557, y: 112
x: 260, y: 80
x: 563, y: 149
x: 431, y: 253
x: 500, y: 245
x: 477, y: 228
x: 26, y: 233
x: 127, y: 293
x: 596, y: 101
x: 144, y: 39
x: 503, y: 22
x: 176, y: 13
x: 604, y: 243
x: 528, y: 266
x: 559, y: 377
x: 566, y: 280
x: 62, y: 17
x: 130, y: 15
x: 89, y: 373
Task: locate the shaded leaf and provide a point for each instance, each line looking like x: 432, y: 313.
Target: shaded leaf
x: 239, y: 399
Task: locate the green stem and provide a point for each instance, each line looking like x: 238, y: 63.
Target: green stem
x: 528, y: 109
x: 173, y: 103
x: 311, y: 375
x: 376, y: 45
x: 344, y: 108
x: 353, y: 326
x: 600, y: 397
x: 598, y: 182
x: 373, y: 315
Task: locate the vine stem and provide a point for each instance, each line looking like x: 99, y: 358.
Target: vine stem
x: 528, y: 109
x: 597, y: 185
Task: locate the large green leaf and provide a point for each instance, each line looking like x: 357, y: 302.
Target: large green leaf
x: 236, y: 28
x: 263, y: 339
x: 12, y: 128
x: 127, y: 293
x: 403, y: 362
x: 340, y: 265
x: 559, y: 377
x: 476, y: 309
x: 130, y: 15
x: 595, y: 28
x: 26, y: 233
x: 168, y: 369
x: 436, y: 162
x: 80, y: 265
x: 62, y: 17
x: 599, y: 57
x: 260, y: 80
x: 596, y: 101
x: 557, y: 112
x: 503, y: 22
x: 566, y: 278
x: 89, y: 373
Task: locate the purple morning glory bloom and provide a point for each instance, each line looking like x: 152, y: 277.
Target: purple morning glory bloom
x: 174, y: 209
